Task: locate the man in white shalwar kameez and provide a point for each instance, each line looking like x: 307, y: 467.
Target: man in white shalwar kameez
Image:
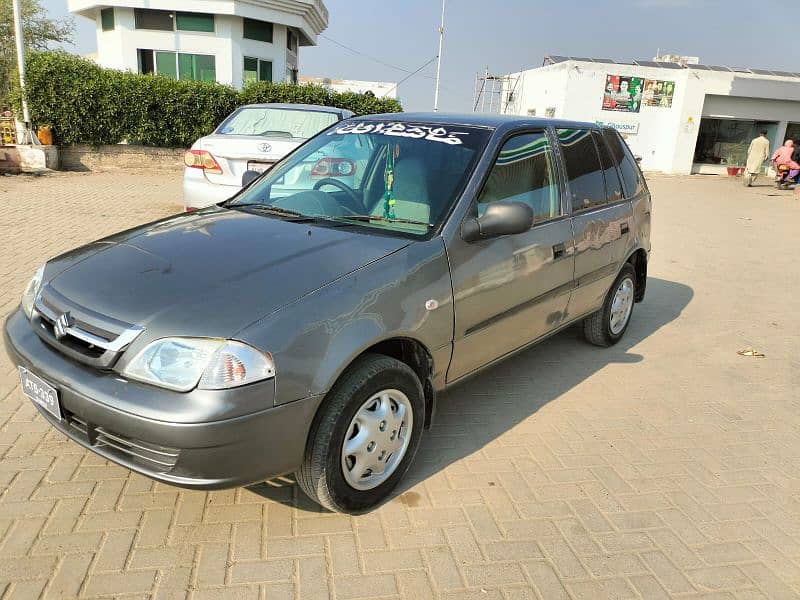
x: 757, y: 153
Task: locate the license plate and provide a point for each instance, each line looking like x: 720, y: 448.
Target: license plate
x: 41, y: 392
x: 258, y: 166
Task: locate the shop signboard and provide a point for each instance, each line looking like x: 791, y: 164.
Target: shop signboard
x: 658, y: 93
x: 623, y: 93
x: 625, y: 129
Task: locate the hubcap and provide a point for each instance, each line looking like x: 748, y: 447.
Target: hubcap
x: 377, y: 439
x: 621, y: 305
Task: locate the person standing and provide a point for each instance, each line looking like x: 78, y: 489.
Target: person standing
x: 757, y: 153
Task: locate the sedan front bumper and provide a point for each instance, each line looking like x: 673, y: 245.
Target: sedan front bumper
x: 230, y: 450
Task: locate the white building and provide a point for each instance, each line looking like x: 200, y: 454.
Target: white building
x: 228, y: 41
x: 381, y: 89
x: 680, y: 118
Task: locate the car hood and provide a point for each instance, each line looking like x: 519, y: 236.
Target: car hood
x: 210, y: 273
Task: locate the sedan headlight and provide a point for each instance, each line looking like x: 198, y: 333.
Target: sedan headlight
x: 31, y: 291
x: 212, y: 364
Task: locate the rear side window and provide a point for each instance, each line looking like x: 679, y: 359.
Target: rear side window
x: 524, y: 172
x: 584, y: 172
x: 614, y: 191
x: 631, y: 176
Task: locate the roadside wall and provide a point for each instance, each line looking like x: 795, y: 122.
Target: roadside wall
x: 120, y: 156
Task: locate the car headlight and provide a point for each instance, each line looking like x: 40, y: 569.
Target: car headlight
x: 211, y: 364
x: 31, y: 291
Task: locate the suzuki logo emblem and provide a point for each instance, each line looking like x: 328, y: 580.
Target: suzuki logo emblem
x: 62, y: 324
x: 265, y: 147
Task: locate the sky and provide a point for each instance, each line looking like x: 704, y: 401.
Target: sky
x: 393, y: 38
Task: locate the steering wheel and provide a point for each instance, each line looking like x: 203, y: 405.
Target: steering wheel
x: 343, y: 187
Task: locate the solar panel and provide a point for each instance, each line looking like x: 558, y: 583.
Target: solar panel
x: 740, y: 70
x: 669, y: 65
x: 580, y: 59
x: 556, y: 59
x: 761, y: 71
x: 783, y: 73
x: 720, y: 68
x: 699, y: 67
x: 606, y: 61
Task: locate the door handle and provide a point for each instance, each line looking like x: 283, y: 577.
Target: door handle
x: 624, y: 228
x: 558, y: 251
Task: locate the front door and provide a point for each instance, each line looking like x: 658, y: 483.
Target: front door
x: 513, y: 289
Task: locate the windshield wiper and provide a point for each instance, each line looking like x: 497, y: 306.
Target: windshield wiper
x: 275, y: 210
x: 380, y: 218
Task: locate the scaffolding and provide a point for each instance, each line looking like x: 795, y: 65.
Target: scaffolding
x: 495, y: 93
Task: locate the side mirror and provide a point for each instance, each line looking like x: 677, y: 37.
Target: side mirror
x: 250, y: 176
x: 638, y: 160
x: 500, y: 218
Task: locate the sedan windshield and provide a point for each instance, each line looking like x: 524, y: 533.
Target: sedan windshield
x: 277, y: 122
x: 400, y: 177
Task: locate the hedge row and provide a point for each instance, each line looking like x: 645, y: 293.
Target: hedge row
x: 86, y: 104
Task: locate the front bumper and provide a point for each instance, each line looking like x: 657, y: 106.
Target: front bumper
x: 221, y: 453
x: 199, y: 192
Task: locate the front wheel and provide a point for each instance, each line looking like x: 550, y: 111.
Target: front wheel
x: 364, y: 437
x: 607, y: 326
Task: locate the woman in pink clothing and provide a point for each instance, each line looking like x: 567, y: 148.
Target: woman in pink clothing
x: 783, y: 156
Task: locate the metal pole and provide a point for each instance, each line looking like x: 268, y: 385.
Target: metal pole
x: 439, y: 62
x: 20, y: 59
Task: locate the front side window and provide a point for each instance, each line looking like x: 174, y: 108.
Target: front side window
x: 524, y: 172
x: 398, y: 178
x: 257, y: 30
x: 160, y: 20
x: 584, y: 172
x: 107, y: 19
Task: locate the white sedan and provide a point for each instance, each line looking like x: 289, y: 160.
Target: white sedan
x: 252, y: 138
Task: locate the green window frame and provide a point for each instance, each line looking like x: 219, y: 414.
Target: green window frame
x: 186, y: 21
x: 256, y: 69
x: 260, y: 31
x: 197, y: 67
x: 165, y: 64
x: 107, y: 19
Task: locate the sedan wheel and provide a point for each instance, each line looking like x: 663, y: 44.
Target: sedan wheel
x: 607, y: 326
x: 364, y: 436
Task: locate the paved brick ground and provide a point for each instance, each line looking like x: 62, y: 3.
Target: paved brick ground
x: 666, y: 466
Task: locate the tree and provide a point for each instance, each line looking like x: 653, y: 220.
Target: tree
x: 39, y: 32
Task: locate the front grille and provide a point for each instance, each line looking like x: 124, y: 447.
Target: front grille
x: 78, y: 332
x: 152, y: 456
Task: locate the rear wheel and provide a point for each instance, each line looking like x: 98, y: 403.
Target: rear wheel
x: 365, y: 436
x: 607, y: 326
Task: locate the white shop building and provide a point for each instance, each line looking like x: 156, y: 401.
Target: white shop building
x: 227, y: 41
x: 678, y: 117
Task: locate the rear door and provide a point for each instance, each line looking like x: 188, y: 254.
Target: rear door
x: 601, y: 216
x: 513, y: 289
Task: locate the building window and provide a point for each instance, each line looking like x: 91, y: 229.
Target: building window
x: 160, y: 20
x: 178, y: 65
x: 107, y: 19
x: 724, y: 141
x: 194, y: 22
x: 257, y: 30
x: 291, y: 40
x: 257, y: 70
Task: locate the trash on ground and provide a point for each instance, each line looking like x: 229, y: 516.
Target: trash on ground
x: 750, y: 352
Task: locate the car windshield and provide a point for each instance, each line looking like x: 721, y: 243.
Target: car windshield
x: 400, y: 177
x: 277, y: 122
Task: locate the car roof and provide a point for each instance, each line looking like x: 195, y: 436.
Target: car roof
x: 491, y: 121
x: 309, y: 107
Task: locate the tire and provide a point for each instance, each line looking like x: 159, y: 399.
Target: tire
x: 322, y: 475
x: 598, y: 327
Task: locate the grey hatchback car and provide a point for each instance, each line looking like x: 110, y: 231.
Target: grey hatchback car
x: 307, y: 324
